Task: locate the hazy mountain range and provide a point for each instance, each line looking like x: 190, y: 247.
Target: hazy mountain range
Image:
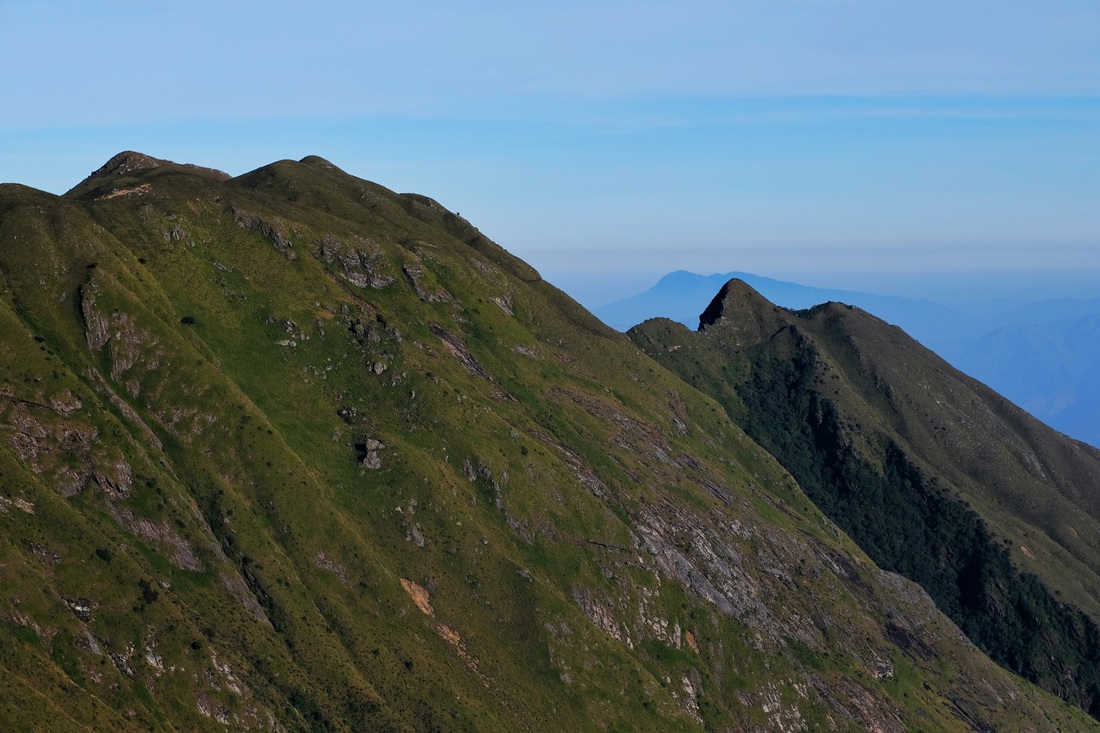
x: 289, y: 451
x: 1043, y: 355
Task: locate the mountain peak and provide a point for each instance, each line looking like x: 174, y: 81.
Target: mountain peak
x: 319, y: 162
x: 129, y: 163
x: 735, y: 296
x: 125, y: 162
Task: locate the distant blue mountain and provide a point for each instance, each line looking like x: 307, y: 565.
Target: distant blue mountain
x: 1042, y: 355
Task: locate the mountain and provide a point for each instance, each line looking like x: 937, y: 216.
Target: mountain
x: 935, y: 475
x: 1043, y: 355
x: 289, y: 451
x: 682, y: 296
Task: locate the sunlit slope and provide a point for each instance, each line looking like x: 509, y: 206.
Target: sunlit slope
x: 293, y: 452
x: 935, y: 475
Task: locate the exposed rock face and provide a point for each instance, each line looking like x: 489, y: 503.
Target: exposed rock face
x: 414, y: 274
x: 273, y: 231
x: 361, y: 262
x: 369, y: 449
x: 181, y: 554
x: 455, y: 346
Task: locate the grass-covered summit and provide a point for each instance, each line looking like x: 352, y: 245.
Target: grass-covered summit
x: 289, y: 451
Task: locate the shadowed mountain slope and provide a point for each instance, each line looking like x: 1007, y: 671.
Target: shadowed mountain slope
x: 292, y: 452
x: 933, y: 474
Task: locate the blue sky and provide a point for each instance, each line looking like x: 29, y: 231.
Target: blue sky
x: 896, y: 147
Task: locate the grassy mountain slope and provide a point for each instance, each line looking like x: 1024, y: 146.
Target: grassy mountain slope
x: 289, y: 451
x: 936, y: 476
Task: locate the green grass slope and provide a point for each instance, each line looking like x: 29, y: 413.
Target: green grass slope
x: 932, y: 473
x: 292, y: 452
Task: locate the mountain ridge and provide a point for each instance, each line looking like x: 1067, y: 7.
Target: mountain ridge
x: 682, y: 295
x: 845, y: 400
x: 1054, y: 377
